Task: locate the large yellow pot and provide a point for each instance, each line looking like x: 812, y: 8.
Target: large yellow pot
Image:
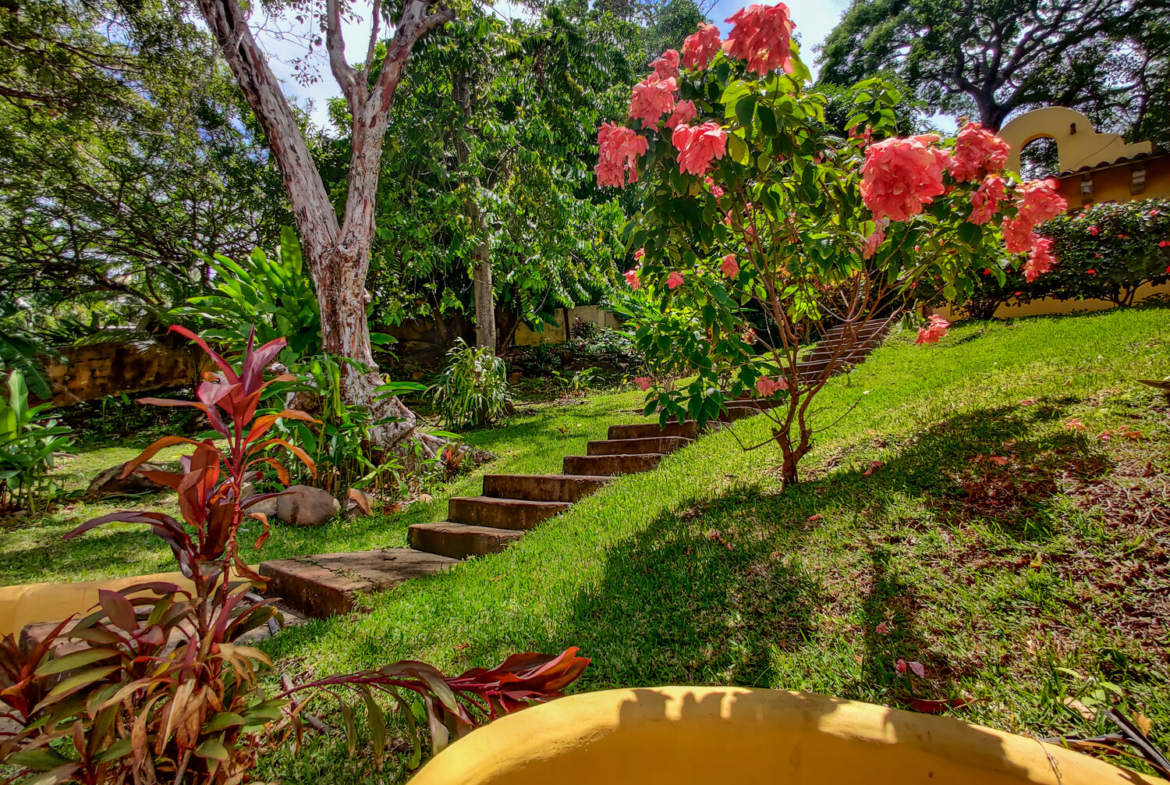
x: 682, y: 735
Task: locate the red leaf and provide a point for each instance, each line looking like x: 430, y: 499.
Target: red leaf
x: 119, y: 609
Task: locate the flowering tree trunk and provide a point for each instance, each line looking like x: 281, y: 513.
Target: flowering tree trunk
x: 337, y: 251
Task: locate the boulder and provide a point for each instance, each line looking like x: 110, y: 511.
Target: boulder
x: 109, y: 482
x: 304, y: 505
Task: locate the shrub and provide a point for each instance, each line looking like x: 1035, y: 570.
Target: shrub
x: 27, y: 445
x: 158, y: 687
x: 1106, y: 251
x: 755, y: 206
x: 472, y: 388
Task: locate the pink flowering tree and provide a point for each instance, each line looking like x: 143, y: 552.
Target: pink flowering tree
x: 764, y: 228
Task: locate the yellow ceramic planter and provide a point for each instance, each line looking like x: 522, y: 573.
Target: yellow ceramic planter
x: 35, y: 603
x: 684, y: 735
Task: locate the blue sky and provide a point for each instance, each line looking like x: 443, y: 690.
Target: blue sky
x: 283, y: 41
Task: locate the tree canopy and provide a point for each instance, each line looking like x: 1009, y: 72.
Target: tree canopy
x: 990, y: 58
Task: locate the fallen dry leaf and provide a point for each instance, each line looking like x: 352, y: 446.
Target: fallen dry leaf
x: 873, y: 467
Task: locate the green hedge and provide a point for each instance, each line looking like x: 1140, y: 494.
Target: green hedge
x: 1105, y: 252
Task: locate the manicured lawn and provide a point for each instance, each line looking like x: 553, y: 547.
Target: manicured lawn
x: 1018, y: 587
x: 31, y: 549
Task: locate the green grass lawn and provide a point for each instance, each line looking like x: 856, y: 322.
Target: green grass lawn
x: 1019, y: 587
x: 31, y: 549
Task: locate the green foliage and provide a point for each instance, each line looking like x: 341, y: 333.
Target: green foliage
x: 27, y: 446
x: 271, y: 294
x: 339, y: 440
x: 986, y: 60
x: 499, y: 119
x: 785, y: 203
x: 472, y: 388
x: 126, y: 152
x: 1130, y: 247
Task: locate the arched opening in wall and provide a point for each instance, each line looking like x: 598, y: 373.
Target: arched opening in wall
x: 1039, y: 159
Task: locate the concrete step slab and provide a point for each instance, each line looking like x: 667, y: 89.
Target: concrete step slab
x: 541, y: 487
x: 652, y: 444
x: 645, y: 430
x: 327, y: 584
x: 611, y: 464
x: 501, y: 513
x: 459, y: 540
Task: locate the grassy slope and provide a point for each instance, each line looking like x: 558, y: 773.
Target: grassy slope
x: 996, y: 578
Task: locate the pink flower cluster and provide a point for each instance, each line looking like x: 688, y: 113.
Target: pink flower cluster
x: 698, y: 145
x: 633, y: 280
x: 651, y: 99
x: 700, y: 47
x: 768, y: 387
x: 762, y: 35
x: 684, y: 112
x: 1040, y: 260
x: 977, y: 150
x: 872, y: 242
x: 666, y: 67
x: 986, y: 198
x: 643, y: 382
x: 729, y: 267
x: 674, y: 280
x: 936, y: 327
x: 901, y: 175
x: 716, y: 190
x: 619, y: 148
x: 1039, y: 202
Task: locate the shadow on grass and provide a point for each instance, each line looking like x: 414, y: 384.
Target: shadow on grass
x: 716, y: 593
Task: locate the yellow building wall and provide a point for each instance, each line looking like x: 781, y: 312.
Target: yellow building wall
x: 1046, y: 307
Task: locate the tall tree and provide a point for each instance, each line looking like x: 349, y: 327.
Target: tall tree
x: 336, y: 248
x: 123, y: 146
x: 493, y: 170
x: 990, y: 58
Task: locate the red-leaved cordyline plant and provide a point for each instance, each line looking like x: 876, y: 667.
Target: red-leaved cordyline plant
x: 154, y: 685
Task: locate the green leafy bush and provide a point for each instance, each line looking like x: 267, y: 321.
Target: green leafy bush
x: 1106, y: 251
x: 272, y: 294
x: 27, y: 445
x: 472, y: 388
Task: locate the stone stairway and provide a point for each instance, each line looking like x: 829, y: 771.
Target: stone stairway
x: 512, y: 504
x: 869, y: 336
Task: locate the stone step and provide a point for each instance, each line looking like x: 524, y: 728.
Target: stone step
x: 646, y: 430
x: 541, y: 487
x: 861, y: 328
x: 611, y: 464
x: 501, y: 513
x: 658, y: 444
x: 327, y: 584
x: 459, y: 540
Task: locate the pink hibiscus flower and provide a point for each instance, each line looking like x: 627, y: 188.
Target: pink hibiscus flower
x: 666, y: 67
x: 729, y: 267
x: 936, y: 327
x: 684, y: 112
x: 986, y: 198
x: 618, y: 151
x: 768, y: 387
x: 700, y: 47
x: 1040, y: 260
x: 901, y: 175
x: 651, y: 99
x: 977, y: 150
x: 698, y: 145
x: 763, y: 36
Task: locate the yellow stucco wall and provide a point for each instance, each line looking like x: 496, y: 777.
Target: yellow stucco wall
x: 1078, y: 145
x: 1046, y: 307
